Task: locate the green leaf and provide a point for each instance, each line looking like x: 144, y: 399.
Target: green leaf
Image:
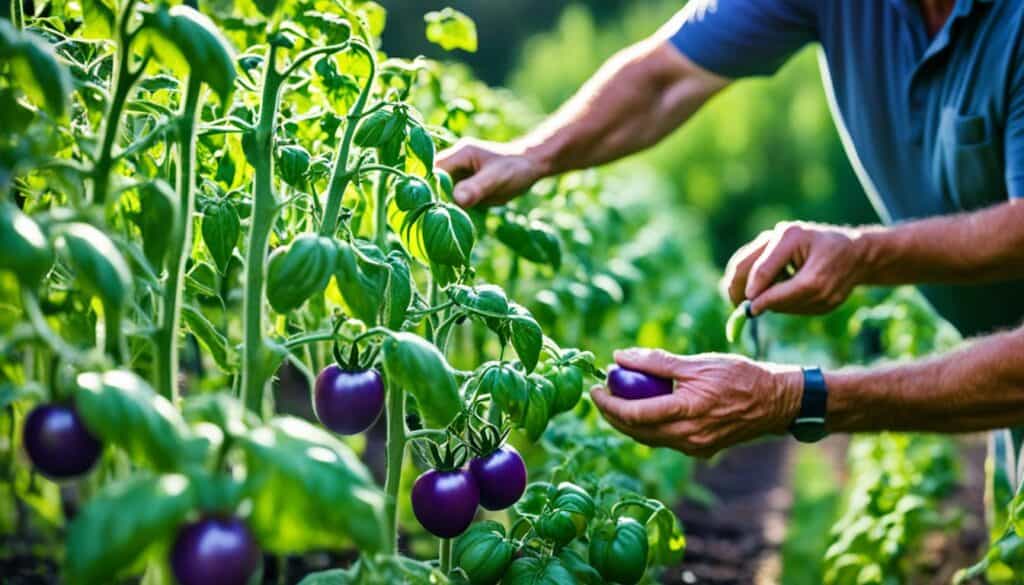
x: 222, y: 352
x: 311, y: 490
x: 487, y: 300
x: 189, y: 43
x: 451, y: 29
x: 533, y: 240
x: 665, y: 537
x: 399, y: 291
x: 448, y: 235
x: 526, y: 336
x: 362, y: 279
x: 98, y: 264
x: 221, y: 229
x: 36, y: 70
x: 120, y: 523
x: 121, y: 409
x: 9, y: 394
x: 99, y: 17
x: 413, y: 364
x: 158, y: 207
x: 422, y: 145
x: 224, y: 411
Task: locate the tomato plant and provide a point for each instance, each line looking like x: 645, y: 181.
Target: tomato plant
x: 201, y: 200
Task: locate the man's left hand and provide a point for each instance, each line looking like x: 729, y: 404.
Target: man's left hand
x: 720, y: 400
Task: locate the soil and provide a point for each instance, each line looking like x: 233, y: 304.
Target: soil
x: 737, y: 540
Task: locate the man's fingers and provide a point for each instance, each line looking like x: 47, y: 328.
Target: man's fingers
x: 796, y: 295
x: 772, y: 261
x: 640, y: 413
x: 458, y: 161
x: 738, y: 270
x: 652, y: 361
x: 480, y: 187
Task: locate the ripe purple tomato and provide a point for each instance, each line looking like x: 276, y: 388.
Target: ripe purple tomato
x: 501, y: 477
x: 214, y: 551
x: 445, y: 501
x: 348, y: 402
x: 57, y: 442
x: 633, y: 385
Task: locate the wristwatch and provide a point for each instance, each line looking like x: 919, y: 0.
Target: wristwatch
x: 809, y: 426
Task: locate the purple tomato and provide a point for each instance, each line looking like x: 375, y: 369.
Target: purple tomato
x: 501, y: 477
x: 633, y: 385
x: 348, y: 402
x: 57, y: 442
x: 214, y: 551
x: 445, y: 501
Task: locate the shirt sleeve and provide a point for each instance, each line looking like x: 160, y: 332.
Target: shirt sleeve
x: 1015, y: 136
x: 744, y: 38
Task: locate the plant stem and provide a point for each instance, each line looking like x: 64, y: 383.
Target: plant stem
x: 17, y: 14
x: 264, y: 213
x: 395, y: 459
x: 340, y: 177
x: 445, y: 555
x: 123, y: 82
x: 180, y: 245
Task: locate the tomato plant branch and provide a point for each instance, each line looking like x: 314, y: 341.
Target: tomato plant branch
x: 180, y: 245
x: 264, y: 213
x: 17, y: 14
x: 124, y: 80
x: 340, y: 176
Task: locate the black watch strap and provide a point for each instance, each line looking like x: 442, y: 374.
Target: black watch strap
x: 809, y: 425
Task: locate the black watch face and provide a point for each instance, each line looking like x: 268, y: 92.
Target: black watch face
x: 809, y: 431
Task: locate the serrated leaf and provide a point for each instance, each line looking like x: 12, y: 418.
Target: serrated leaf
x: 451, y: 29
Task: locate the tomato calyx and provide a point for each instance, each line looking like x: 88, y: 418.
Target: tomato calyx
x: 449, y: 455
x: 487, y: 439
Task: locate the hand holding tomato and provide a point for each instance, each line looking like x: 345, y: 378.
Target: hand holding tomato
x: 829, y: 261
x: 719, y: 401
x: 488, y: 172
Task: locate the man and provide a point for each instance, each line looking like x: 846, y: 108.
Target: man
x: 929, y: 98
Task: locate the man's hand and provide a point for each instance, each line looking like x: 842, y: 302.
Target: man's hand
x: 489, y: 173
x: 829, y: 262
x: 720, y: 400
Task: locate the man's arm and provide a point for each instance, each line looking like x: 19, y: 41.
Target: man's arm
x: 723, y: 400
x: 638, y: 96
x: 979, y: 387
x: 975, y: 247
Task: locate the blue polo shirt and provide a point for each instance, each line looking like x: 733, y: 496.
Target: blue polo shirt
x: 932, y: 125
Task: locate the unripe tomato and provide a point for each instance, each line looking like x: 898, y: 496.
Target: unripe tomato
x: 348, y: 402
x: 214, y: 551
x: 483, y: 553
x: 501, y: 477
x: 445, y: 502
x: 619, y: 551
x: 57, y: 442
x: 633, y: 385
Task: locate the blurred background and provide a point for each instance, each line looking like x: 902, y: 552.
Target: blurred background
x: 764, y: 151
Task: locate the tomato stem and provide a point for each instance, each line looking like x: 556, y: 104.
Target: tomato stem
x: 340, y: 177
x: 395, y: 459
x: 180, y: 245
x: 445, y: 555
x: 17, y: 14
x: 264, y: 213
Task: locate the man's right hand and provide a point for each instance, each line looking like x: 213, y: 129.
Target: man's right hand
x: 490, y: 173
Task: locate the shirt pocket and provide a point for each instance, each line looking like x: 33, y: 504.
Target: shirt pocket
x: 970, y: 166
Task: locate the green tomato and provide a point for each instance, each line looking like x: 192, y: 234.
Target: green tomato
x: 299, y: 270
x: 558, y: 526
x: 448, y: 235
x: 534, y: 571
x: 568, y: 383
x: 483, y: 553
x: 293, y: 164
x: 577, y: 565
x: 619, y: 551
x: 26, y: 251
x: 507, y: 387
x: 538, y: 410
x: 412, y: 192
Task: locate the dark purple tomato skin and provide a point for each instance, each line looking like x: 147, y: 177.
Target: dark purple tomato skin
x: 57, y: 442
x: 501, y: 477
x: 214, y: 551
x: 445, y: 501
x: 348, y: 402
x: 633, y: 385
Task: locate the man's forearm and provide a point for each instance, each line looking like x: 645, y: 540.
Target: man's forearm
x: 981, y: 246
x: 637, y: 98
x: 976, y: 388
